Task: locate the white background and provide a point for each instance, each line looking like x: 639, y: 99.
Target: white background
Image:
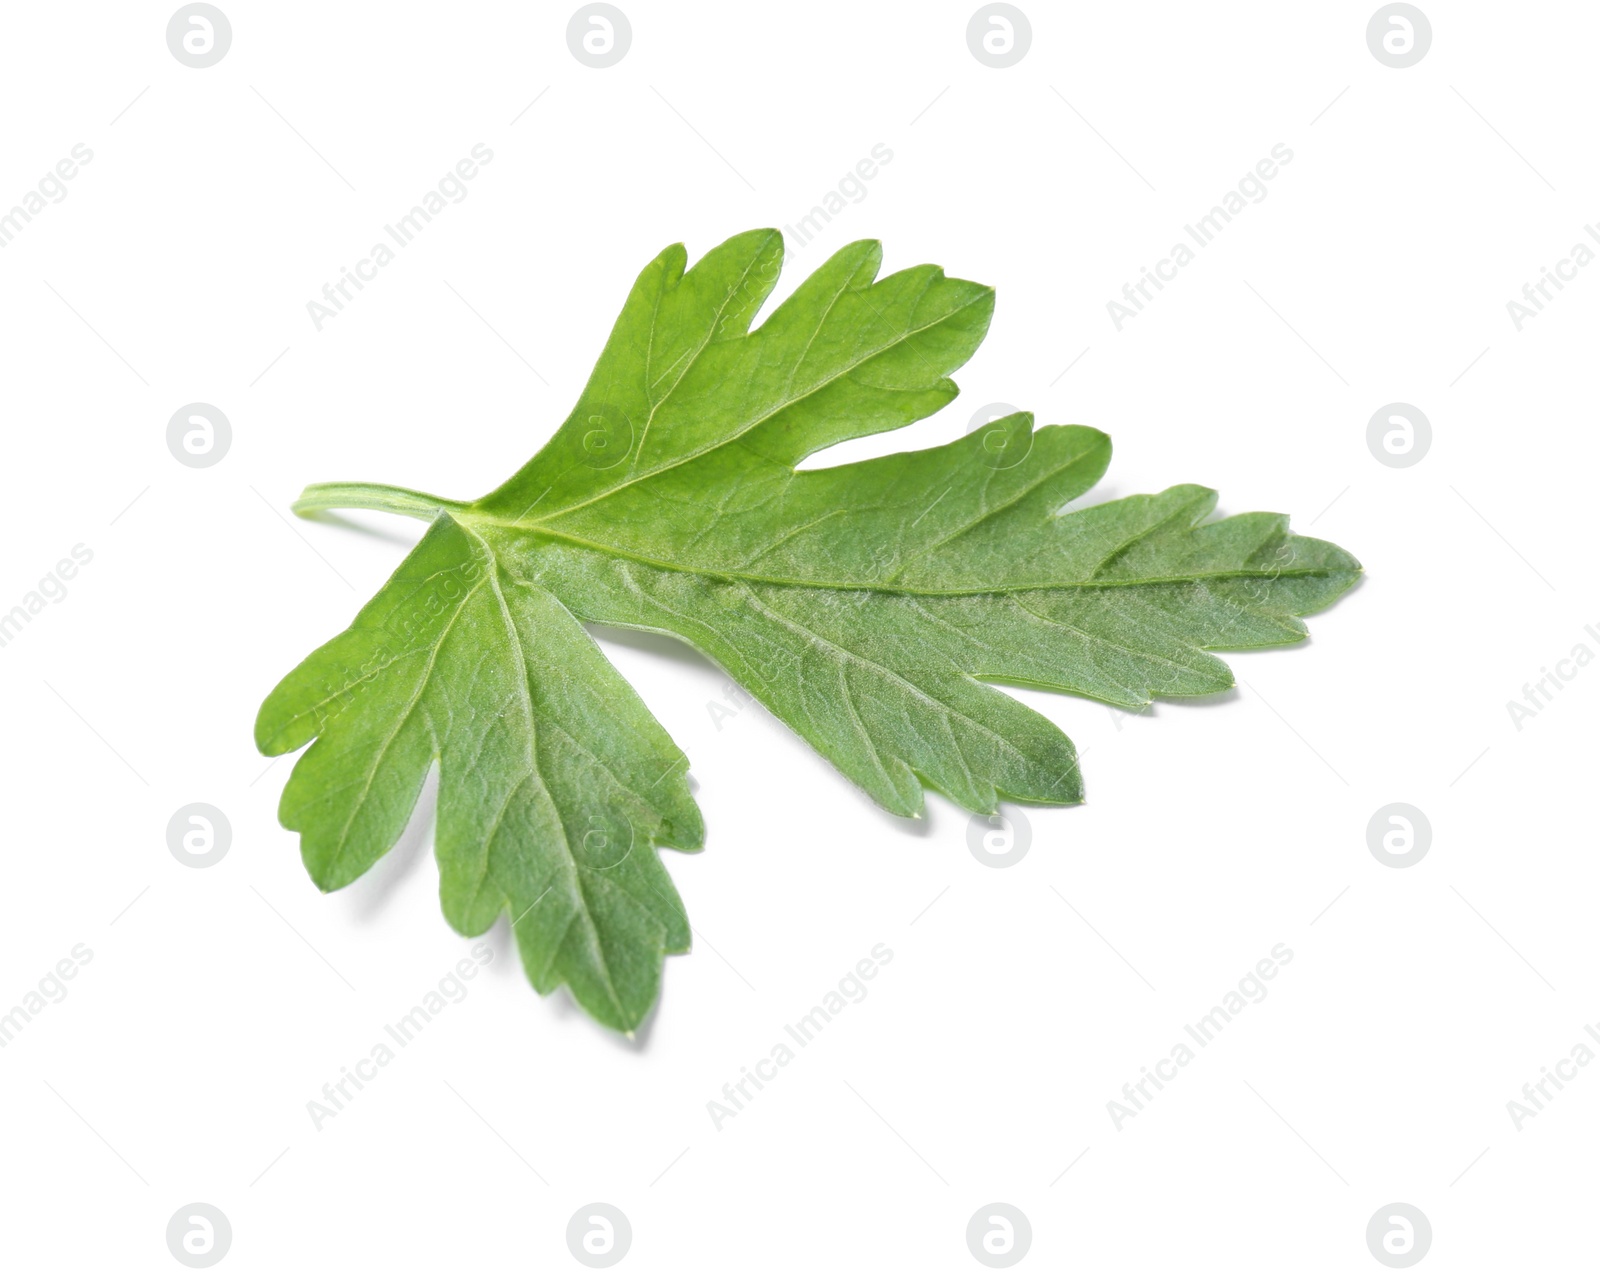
x: 219, y: 1001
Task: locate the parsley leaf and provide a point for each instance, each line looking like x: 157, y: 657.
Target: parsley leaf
x: 862, y: 604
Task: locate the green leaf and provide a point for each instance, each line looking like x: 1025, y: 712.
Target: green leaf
x: 864, y: 605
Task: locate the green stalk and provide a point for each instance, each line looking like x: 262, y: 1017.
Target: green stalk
x: 322, y: 496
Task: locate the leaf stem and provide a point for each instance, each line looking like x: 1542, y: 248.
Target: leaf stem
x: 322, y: 496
